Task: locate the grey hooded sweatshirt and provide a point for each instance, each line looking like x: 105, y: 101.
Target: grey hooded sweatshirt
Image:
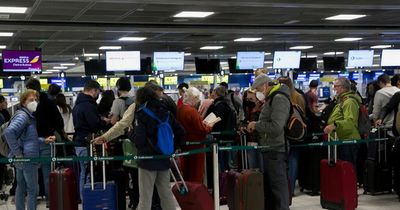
x: 272, y: 121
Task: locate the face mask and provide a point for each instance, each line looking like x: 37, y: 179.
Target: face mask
x: 260, y: 96
x: 250, y: 104
x: 32, y: 106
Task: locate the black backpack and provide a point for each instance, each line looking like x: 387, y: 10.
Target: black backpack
x: 326, y: 113
x: 231, y: 118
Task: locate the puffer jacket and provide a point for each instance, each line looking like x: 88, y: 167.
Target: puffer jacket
x: 345, y: 116
x: 272, y: 121
x: 21, y: 135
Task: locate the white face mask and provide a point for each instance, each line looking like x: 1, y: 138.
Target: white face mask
x: 32, y: 106
x: 260, y: 96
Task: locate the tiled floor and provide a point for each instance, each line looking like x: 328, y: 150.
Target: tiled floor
x: 303, y: 202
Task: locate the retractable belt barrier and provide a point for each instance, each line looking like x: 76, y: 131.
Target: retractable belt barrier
x: 186, y: 153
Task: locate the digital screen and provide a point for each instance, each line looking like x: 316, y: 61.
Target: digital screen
x: 308, y: 64
x: 314, y: 77
x: 22, y: 61
x: 302, y: 77
x: 390, y: 57
x: 249, y: 60
x: 207, y: 66
x: 233, y: 70
x: 360, y: 58
x: 123, y: 60
x: 57, y: 81
x: 96, y: 67
x: 333, y: 63
x: 168, y: 61
x: 286, y: 59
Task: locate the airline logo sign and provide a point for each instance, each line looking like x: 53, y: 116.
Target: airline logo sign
x: 29, y: 61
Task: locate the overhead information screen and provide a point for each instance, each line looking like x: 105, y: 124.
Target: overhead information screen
x: 308, y: 64
x: 22, y: 61
x: 249, y: 60
x: 360, y: 58
x: 334, y: 63
x: 123, y: 60
x: 390, y: 58
x: 168, y: 61
x: 287, y: 59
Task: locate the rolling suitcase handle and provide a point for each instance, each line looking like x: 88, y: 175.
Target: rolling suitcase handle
x: 180, y: 176
x: 384, y: 130
x: 243, y: 141
x: 334, y: 150
x: 103, y: 167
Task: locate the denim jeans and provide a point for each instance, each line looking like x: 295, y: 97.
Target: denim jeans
x: 46, y: 168
x: 293, y: 167
x: 82, y: 152
x: 27, y: 183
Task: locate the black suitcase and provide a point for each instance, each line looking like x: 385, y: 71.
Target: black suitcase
x: 118, y: 176
x: 309, y: 169
x: 396, y: 166
x: 378, y: 171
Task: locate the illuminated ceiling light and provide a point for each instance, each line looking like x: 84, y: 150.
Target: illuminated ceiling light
x: 348, y: 39
x: 211, y: 47
x: 13, y: 10
x: 132, y: 39
x: 333, y: 53
x: 247, y: 39
x: 6, y: 34
x: 60, y: 67
x: 301, y: 47
x: 193, y: 14
x: 67, y: 64
x: 110, y: 48
x: 381, y: 46
x: 345, y: 17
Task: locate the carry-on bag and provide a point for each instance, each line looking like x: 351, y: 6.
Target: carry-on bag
x: 338, y: 182
x: 245, y: 188
x: 190, y: 195
x: 378, y: 171
x: 99, y: 195
x: 62, y: 187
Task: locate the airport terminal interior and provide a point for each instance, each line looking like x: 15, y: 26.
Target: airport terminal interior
x: 207, y: 44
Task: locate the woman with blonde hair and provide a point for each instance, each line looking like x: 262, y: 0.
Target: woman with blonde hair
x: 23, y: 140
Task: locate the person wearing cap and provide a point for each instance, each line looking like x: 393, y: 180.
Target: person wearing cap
x: 312, y: 97
x: 87, y: 121
x: 271, y: 129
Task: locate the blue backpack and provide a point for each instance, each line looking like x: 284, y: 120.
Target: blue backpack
x: 165, y: 135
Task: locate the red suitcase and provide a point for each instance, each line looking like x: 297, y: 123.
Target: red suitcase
x: 191, y: 196
x: 338, y: 183
x: 63, y: 188
x: 245, y: 188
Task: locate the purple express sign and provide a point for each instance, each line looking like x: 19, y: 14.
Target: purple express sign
x: 22, y: 61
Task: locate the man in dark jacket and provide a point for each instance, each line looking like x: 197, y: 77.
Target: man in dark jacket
x: 87, y: 121
x: 49, y: 120
x: 153, y: 171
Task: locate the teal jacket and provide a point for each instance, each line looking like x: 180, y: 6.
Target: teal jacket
x: 345, y: 116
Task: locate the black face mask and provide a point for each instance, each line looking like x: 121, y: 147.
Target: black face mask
x: 250, y: 104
